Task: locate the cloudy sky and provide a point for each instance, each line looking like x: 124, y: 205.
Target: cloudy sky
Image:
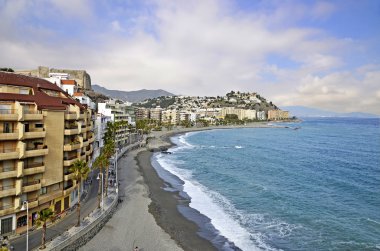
x: 323, y: 54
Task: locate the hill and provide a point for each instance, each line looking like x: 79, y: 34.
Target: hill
x: 131, y: 96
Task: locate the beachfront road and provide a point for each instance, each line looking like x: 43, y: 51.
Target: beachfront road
x: 67, y: 222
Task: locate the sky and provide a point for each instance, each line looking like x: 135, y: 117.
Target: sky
x: 322, y: 54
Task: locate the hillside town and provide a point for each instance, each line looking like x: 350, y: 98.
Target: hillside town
x: 49, y: 124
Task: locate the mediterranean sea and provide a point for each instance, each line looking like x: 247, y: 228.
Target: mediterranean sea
x: 312, y: 188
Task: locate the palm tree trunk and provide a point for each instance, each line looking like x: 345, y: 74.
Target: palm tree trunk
x: 107, y: 168
x: 99, y: 187
x: 78, y: 208
x: 43, y: 246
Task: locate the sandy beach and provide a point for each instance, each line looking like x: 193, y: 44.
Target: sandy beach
x: 148, y: 216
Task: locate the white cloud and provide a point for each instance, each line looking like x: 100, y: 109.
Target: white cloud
x: 197, y: 48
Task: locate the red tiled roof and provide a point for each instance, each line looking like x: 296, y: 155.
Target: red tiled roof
x: 78, y: 94
x: 68, y: 82
x: 42, y: 100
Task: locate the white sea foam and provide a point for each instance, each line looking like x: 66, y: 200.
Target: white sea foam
x: 223, y: 215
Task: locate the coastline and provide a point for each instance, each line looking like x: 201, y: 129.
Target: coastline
x: 148, y: 216
x: 165, y: 204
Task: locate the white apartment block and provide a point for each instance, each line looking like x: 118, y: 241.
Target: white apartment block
x: 118, y: 112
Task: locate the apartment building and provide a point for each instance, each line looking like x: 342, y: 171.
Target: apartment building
x: 170, y: 117
x: 142, y: 113
x: 277, y: 114
x: 241, y: 113
x: 43, y: 131
x: 156, y: 114
x: 119, y: 112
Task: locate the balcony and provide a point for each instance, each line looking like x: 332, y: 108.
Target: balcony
x: 33, y: 115
x: 83, y: 128
x: 33, y: 152
x: 11, y: 135
x: 68, y: 188
x: 70, y: 116
x: 6, y: 191
x: 91, y: 139
x: 31, y: 186
x: 6, y: 209
x: 34, y: 168
x: 8, y: 115
x: 86, y: 142
x: 72, y: 146
x: 89, y: 151
x: 68, y: 161
x: 49, y: 196
x: 9, y: 153
x: 72, y: 131
x: 32, y: 203
x: 34, y: 135
x: 8, y: 173
x: 68, y: 176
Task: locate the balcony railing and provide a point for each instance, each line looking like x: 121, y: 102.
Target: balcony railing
x: 8, y: 150
x: 3, y: 170
x: 5, y: 207
x: 7, y: 111
x: 30, y: 183
x: 3, y: 188
x: 34, y: 164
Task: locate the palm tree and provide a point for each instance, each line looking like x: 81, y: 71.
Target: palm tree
x: 80, y: 171
x: 44, y: 216
x: 108, y: 151
x: 100, y: 162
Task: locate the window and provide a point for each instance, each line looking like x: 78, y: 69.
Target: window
x: 24, y: 91
x: 43, y: 190
x: 21, y: 221
x: 39, y: 125
x: 6, y: 225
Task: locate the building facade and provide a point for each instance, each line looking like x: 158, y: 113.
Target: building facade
x: 278, y: 115
x: 43, y: 131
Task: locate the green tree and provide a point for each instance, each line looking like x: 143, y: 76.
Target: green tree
x: 44, y: 216
x: 108, y: 151
x: 100, y: 162
x: 80, y: 171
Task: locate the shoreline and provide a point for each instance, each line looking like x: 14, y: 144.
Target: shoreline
x: 165, y: 204
x: 149, y: 216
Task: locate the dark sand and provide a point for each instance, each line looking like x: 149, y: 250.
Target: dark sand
x: 164, y: 209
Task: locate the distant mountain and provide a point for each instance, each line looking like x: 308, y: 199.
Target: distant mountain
x: 303, y: 111
x: 131, y: 96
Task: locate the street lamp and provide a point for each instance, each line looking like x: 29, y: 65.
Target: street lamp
x: 27, y: 222
x: 102, y: 188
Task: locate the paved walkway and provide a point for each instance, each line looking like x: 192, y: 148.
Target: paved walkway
x: 88, y: 206
x: 60, y: 226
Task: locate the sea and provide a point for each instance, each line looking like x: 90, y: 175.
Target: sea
x: 313, y: 185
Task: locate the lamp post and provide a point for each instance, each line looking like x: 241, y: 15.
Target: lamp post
x: 117, y: 181
x: 27, y: 222
x: 102, y: 188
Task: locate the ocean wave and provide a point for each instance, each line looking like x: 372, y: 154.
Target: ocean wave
x: 223, y: 215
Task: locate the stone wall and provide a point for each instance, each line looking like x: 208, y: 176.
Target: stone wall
x: 81, y: 76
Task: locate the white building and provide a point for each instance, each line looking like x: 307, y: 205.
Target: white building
x: 261, y: 115
x: 118, y: 112
x: 83, y: 99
